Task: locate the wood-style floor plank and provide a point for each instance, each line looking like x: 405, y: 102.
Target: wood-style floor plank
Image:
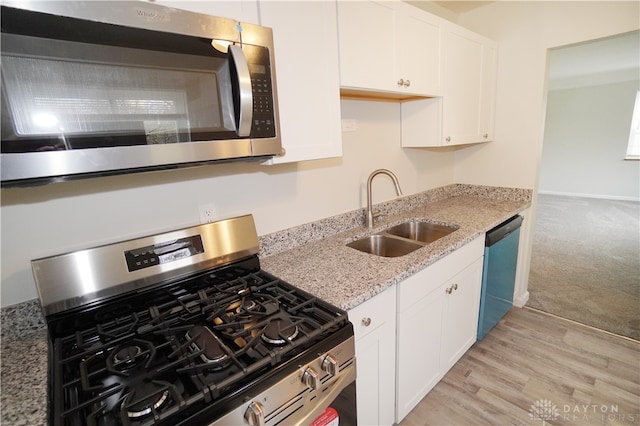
x: 592, y: 377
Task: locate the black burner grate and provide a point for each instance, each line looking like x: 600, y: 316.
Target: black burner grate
x: 169, y: 353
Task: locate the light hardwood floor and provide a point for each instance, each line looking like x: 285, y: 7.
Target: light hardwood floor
x: 590, y: 376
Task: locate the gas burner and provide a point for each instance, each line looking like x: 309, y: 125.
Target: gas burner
x: 126, y: 356
x: 144, y: 399
x: 279, y: 331
x: 134, y: 354
x: 246, y: 305
x: 243, y: 310
x: 205, y: 341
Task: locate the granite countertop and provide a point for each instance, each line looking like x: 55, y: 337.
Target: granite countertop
x: 313, y: 257
x: 347, y: 277
x: 23, y: 363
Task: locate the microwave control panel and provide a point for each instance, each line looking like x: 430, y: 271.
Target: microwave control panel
x: 263, y: 125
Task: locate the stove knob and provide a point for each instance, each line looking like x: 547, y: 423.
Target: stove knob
x: 311, y: 379
x: 330, y: 365
x: 255, y: 414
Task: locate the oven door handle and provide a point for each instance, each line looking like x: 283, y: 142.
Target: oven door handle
x: 244, y: 110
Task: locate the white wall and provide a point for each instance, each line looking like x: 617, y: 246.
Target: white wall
x: 525, y: 30
x: 43, y: 221
x: 585, y: 142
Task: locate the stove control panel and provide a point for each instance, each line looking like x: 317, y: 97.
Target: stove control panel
x: 301, y: 396
x: 165, y: 252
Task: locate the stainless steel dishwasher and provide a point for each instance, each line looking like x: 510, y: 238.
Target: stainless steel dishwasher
x: 499, y: 273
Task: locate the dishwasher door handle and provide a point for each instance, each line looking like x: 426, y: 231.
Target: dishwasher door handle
x: 503, y: 230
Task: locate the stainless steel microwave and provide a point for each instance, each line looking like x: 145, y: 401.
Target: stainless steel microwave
x: 102, y: 87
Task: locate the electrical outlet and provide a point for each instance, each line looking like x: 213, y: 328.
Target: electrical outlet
x: 207, y: 213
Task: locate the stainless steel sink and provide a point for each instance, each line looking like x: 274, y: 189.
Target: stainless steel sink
x: 402, y: 239
x: 424, y: 232
x: 385, y: 245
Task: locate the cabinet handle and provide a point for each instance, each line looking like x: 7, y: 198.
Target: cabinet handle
x: 448, y: 139
x: 455, y: 286
x: 407, y: 83
x: 449, y: 290
x: 486, y: 135
x: 366, y: 321
x: 401, y: 83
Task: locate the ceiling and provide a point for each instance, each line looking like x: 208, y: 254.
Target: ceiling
x: 601, y: 61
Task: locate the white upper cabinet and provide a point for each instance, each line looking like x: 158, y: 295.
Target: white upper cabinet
x: 465, y: 112
x: 469, y: 86
x: 388, y: 48
x: 488, y: 89
x: 419, y: 49
x: 306, y: 52
x: 243, y: 10
x: 366, y: 35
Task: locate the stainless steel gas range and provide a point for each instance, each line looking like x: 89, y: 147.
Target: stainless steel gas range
x: 185, y: 328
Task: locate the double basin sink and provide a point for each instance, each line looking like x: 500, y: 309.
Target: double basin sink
x: 402, y: 239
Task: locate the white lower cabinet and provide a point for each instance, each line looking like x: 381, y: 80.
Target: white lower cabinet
x: 418, y: 353
x: 410, y: 335
x: 374, y: 324
x: 460, y: 314
x: 437, y: 322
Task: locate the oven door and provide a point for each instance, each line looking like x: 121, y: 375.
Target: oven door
x: 342, y: 411
x: 72, y: 87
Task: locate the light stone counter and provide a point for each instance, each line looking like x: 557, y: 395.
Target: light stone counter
x: 347, y: 277
x: 312, y: 256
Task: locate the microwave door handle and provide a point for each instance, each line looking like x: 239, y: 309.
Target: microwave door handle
x: 244, y: 89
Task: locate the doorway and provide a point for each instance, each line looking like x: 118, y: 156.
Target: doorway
x: 585, y: 261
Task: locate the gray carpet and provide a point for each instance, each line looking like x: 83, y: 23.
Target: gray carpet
x: 585, y: 262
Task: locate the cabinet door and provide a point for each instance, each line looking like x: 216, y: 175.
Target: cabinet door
x: 375, y: 331
x: 418, y: 51
x: 307, y: 71
x: 469, y: 86
x: 460, y: 314
x: 375, y: 388
x: 418, y: 370
x: 243, y: 10
x: 462, y: 68
x: 424, y: 322
x: 488, y: 96
x: 465, y: 112
x: 367, y: 45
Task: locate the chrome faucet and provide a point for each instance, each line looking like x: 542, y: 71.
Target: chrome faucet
x: 370, y: 214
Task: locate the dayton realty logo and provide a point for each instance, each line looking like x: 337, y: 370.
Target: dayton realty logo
x: 544, y: 410
x: 605, y: 414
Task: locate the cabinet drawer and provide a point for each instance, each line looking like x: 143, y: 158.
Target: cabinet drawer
x: 373, y: 313
x: 419, y: 285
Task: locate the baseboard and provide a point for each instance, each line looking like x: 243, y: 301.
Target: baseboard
x: 599, y: 196
x: 521, y: 300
